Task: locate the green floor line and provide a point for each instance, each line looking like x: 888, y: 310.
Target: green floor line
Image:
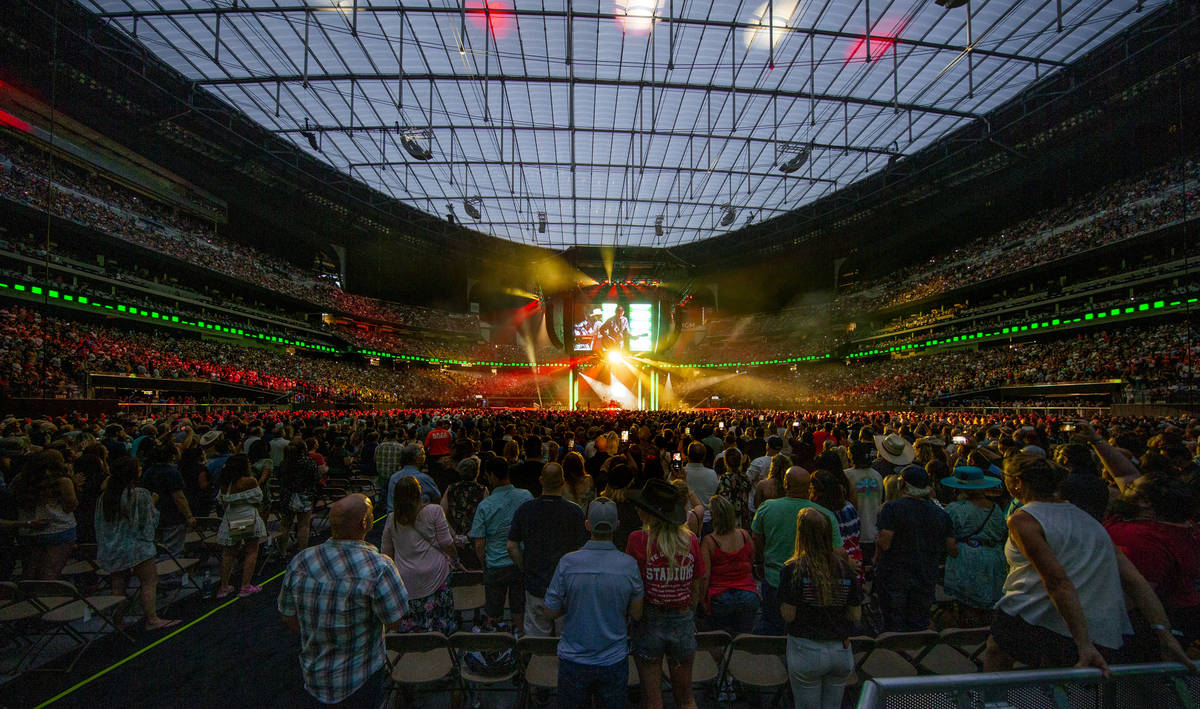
x: 156, y: 643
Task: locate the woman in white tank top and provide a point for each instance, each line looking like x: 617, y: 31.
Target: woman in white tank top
x: 1064, y: 598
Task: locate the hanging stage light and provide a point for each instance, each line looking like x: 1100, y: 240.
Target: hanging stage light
x: 471, y: 206
x: 658, y: 225
x: 541, y: 222
x: 408, y: 141
x: 729, y: 215
x: 796, y: 162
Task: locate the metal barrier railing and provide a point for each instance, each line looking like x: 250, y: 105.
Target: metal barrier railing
x: 1149, y: 686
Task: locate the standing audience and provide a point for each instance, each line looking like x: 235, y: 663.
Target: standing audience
x: 417, y: 538
x: 819, y: 600
x: 126, y: 519
x: 340, y: 597
x: 241, y: 526
x: 668, y: 557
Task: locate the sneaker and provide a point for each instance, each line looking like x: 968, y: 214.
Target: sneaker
x: 224, y: 592
x: 249, y: 590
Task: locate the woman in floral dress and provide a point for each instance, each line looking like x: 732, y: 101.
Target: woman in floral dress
x: 418, y: 539
x: 126, y: 518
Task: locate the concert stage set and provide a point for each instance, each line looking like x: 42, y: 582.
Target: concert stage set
x: 611, y: 334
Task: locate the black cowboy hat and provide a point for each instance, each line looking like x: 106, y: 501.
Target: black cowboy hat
x: 660, y: 499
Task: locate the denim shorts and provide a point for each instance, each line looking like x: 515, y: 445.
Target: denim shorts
x: 67, y: 536
x: 664, y: 632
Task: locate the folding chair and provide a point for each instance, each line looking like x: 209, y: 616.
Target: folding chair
x: 17, y: 615
x: 898, y: 654
x: 469, y: 596
x: 173, y: 565
x: 538, y: 658
x: 62, y: 606
x: 957, y: 652
x: 202, y: 541
x: 708, y: 667
x: 463, y: 642
x: 861, y: 646
x: 416, y: 661
x: 325, y: 499
x: 758, y: 662
x: 85, y: 562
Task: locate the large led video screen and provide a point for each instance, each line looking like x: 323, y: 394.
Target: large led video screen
x: 607, y: 325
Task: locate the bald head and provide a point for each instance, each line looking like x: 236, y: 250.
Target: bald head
x: 797, y: 481
x: 552, y: 479
x: 350, y: 517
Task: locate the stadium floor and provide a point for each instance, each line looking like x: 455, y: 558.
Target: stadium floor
x: 240, y: 655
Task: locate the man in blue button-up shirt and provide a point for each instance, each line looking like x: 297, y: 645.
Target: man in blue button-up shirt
x: 596, y: 588
x: 489, y: 532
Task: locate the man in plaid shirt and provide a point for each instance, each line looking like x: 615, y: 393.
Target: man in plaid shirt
x: 340, y: 596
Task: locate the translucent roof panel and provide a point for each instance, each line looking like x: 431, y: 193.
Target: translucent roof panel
x: 626, y: 122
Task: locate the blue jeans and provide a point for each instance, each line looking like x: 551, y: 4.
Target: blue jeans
x: 771, y: 622
x: 905, y: 600
x: 818, y: 671
x: 734, y: 611
x: 578, y: 684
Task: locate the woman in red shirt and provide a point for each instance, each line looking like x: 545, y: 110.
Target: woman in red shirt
x: 668, y: 556
x: 1155, y: 532
x: 728, y: 588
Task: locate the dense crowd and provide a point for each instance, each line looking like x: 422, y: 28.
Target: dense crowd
x: 28, y: 176
x: 626, y: 533
x: 1114, y: 213
x: 43, y: 355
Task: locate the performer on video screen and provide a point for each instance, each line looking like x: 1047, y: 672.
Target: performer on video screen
x: 615, y: 331
x: 585, y: 332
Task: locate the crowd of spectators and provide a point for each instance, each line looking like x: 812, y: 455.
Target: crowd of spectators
x: 30, y: 177
x: 787, y: 523
x: 43, y: 355
x: 1153, y: 360
x: 1114, y: 213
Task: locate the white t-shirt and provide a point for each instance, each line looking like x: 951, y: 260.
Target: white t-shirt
x: 868, y: 490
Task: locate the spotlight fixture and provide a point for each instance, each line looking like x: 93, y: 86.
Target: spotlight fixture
x: 729, y: 215
x: 658, y: 225
x: 312, y: 137
x: 797, y: 161
x: 408, y: 141
x: 471, y: 206
x: 541, y: 222
x: 950, y: 4
x: 450, y: 215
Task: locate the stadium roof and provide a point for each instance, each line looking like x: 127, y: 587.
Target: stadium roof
x: 609, y: 118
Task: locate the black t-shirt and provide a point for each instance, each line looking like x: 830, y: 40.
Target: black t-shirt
x: 165, y: 480
x: 548, y: 527
x: 527, y: 476
x: 628, y: 522
x: 819, y: 622
x: 1086, y: 491
x: 920, y: 529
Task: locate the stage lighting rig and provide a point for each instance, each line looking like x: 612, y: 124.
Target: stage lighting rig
x: 729, y: 214
x: 801, y: 153
x: 471, y: 206
x: 312, y: 137
x: 658, y: 225
x: 541, y: 222
x: 410, y: 141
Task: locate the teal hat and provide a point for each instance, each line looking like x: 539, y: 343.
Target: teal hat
x: 968, y: 477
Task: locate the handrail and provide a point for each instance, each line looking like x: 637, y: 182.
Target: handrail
x: 991, y: 685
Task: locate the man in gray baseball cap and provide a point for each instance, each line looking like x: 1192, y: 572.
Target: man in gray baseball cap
x: 596, y: 589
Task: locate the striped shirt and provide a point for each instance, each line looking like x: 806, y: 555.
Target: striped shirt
x: 344, y: 593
